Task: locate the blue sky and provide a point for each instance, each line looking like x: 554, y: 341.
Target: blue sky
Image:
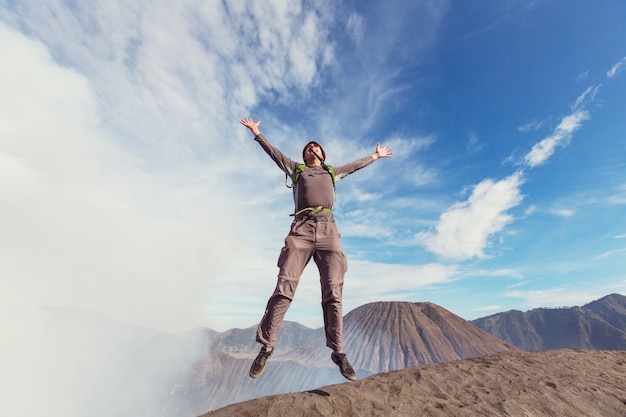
x: 128, y: 186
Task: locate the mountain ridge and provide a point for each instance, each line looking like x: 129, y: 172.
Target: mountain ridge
x: 600, y: 324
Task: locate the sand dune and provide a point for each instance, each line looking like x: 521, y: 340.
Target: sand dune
x: 564, y: 382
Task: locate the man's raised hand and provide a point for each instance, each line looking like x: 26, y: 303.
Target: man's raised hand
x: 252, y: 125
x: 382, y: 152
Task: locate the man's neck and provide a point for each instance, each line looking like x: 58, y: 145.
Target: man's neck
x: 313, y: 161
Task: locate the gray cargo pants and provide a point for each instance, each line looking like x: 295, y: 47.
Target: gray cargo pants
x: 314, y: 237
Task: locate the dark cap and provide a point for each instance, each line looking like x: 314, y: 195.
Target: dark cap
x: 313, y: 142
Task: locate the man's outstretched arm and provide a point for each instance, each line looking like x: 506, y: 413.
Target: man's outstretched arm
x: 252, y: 125
x: 283, y: 161
x: 347, y: 169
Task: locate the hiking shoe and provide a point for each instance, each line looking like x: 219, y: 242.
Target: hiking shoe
x: 258, y: 366
x: 344, y: 366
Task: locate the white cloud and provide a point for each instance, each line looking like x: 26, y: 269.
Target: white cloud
x: 609, y: 254
x: 474, y: 144
x: 554, y: 297
x: 170, y: 74
x: 582, y: 76
x: 507, y: 273
x: 464, y: 229
x: 532, y: 209
x: 619, y: 198
x: 487, y: 309
x: 399, y: 282
x: 532, y: 126
x: 544, y: 149
x: 616, y: 69
x: 589, y: 94
x: 356, y: 27
x: 353, y: 224
x: 564, y: 212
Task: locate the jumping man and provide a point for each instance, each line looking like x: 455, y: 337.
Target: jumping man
x: 314, y: 235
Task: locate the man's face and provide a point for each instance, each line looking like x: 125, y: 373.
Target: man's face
x: 315, y: 148
x: 310, y: 150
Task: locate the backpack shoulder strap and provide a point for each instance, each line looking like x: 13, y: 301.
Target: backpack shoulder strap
x: 331, y: 171
x: 295, y: 176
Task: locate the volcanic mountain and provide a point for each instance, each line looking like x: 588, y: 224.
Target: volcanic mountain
x: 600, y: 324
x: 378, y: 337
x: 385, y: 336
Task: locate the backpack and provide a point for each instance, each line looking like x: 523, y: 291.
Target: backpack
x: 301, y: 168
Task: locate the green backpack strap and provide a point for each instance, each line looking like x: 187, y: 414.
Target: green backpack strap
x: 331, y: 171
x: 295, y: 176
x: 300, y: 168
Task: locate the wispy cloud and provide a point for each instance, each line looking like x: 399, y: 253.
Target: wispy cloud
x: 609, y: 254
x: 356, y: 27
x: 582, y: 76
x: 616, y: 69
x: 619, y: 198
x: 588, y: 95
x: 401, y: 281
x: 564, y: 212
x: 533, y: 126
x: 474, y: 144
x: 487, y: 308
x: 543, y: 150
x: 496, y: 273
x: 167, y: 75
x: 553, y: 297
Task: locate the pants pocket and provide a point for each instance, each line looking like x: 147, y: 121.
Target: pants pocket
x: 282, y: 256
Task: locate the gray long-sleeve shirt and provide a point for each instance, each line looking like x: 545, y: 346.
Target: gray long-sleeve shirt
x: 315, y: 186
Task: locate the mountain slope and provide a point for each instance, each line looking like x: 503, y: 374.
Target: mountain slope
x: 611, y: 309
x: 564, y: 383
x: 598, y: 325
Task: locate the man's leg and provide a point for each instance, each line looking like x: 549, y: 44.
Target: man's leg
x: 332, y: 264
x: 293, y: 258
x: 277, y: 305
x: 332, y: 267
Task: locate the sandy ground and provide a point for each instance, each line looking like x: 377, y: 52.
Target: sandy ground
x: 563, y: 382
